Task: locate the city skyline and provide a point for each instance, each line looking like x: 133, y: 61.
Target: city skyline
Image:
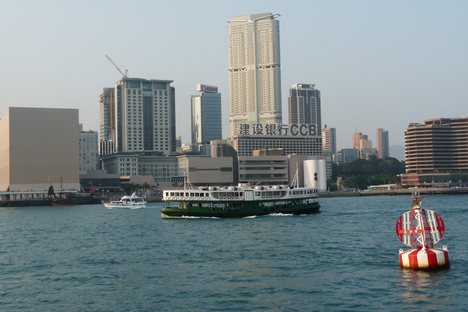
x: 383, y: 74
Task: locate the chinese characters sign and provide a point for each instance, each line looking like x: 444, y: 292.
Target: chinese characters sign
x: 278, y: 129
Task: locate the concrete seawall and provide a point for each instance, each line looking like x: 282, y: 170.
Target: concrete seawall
x: 423, y: 191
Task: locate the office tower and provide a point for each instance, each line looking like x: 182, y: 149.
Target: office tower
x: 106, y: 110
x: 382, y: 144
x: 361, y: 141
x: 206, y: 115
x: 357, y: 139
x: 140, y: 115
x: 88, y: 151
x: 304, y: 105
x: 329, y: 140
x: 254, y: 69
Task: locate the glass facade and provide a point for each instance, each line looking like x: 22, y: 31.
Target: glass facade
x: 206, y: 117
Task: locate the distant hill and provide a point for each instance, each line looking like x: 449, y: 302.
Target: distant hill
x: 397, y: 151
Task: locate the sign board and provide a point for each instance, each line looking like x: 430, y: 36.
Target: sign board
x: 294, y: 130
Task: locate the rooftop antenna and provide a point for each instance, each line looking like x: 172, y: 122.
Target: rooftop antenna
x: 123, y: 72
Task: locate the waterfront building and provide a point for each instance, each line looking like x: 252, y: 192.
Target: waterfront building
x: 263, y: 169
x: 39, y: 149
x: 254, y: 70
x: 161, y: 167
x: 436, y: 153
x: 382, y: 143
x: 88, y: 150
x: 307, y: 145
x: 206, y: 115
x: 300, y: 139
x: 204, y: 171
x: 223, y: 148
x: 139, y: 115
x: 329, y: 140
x: 304, y: 105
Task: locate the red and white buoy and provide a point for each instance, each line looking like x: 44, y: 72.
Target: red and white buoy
x: 421, y: 229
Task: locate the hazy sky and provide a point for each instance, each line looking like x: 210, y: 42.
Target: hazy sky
x: 377, y: 64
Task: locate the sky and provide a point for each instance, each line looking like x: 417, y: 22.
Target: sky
x: 378, y: 64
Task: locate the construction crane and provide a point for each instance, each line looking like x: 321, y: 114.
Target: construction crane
x: 123, y: 72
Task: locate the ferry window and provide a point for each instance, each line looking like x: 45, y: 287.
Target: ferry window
x: 191, y: 194
x: 172, y: 193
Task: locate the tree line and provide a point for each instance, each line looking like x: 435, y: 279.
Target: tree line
x: 361, y: 173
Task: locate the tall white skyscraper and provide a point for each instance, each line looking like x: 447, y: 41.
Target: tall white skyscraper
x: 254, y: 70
x: 139, y: 115
x: 382, y: 143
x: 206, y: 115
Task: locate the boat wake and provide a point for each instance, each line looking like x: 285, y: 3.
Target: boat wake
x: 186, y: 217
x: 281, y: 214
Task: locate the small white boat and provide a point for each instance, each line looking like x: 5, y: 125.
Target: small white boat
x: 131, y: 202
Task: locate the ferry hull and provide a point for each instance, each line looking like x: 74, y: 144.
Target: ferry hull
x: 243, y: 210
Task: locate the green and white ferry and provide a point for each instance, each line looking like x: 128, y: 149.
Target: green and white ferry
x: 239, y: 201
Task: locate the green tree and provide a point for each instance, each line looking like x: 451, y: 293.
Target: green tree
x: 361, y: 173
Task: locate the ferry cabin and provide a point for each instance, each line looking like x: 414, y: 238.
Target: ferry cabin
x: 224, y: 197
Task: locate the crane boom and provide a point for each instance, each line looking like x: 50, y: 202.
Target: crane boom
x: 124, y: 73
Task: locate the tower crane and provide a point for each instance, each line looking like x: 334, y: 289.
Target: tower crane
x: 123, y: 72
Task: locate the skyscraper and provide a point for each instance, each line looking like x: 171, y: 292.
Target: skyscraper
x: 206, y: 115
x: 304, y: 105
x: 329, y: 140
x: 88, y: 150
x: 357, y: 140
x: 382, y: 144
x: 254, y: 70
x: 139, y: 115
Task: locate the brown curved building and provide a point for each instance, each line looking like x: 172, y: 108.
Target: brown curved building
x: 437, y: 153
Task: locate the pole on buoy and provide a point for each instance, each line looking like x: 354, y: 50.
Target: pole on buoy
x: 421, y: 229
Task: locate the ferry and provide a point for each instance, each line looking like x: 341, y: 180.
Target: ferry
x: 239, y: 201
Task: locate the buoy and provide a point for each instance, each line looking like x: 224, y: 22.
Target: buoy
x: 421, y: 229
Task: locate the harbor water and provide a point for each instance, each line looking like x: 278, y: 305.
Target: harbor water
x: 345, y: 258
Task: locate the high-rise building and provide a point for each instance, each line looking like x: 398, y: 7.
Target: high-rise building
x: 106, y: 110
x: 382, y: 143
x: 304, y: 105
x: 329, y: 140
x: 357, y: 139
x: 254, y: 70
x: 139, y: 115
x: 88, y: 146
x: 206, y: 115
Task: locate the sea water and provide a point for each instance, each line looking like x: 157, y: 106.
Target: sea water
x: 345, y: 258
